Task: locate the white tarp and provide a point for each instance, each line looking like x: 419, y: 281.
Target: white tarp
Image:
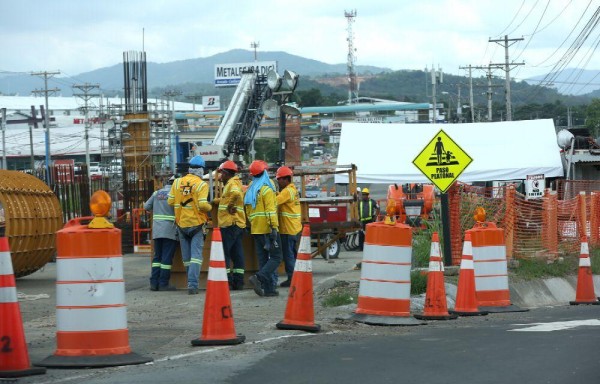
x: 506, y: 150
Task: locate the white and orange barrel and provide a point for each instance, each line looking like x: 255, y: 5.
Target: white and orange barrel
x: 91, y: 314
x: 384, y: 291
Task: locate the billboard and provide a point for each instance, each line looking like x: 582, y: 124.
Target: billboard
x: 228, y: 75
x: 211, y: 103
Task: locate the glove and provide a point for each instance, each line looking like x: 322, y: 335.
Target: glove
x: 274, y: 235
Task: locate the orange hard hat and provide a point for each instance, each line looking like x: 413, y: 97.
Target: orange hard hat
x: 257, y: 167
x: 283, y: 172
x: 229, y: 165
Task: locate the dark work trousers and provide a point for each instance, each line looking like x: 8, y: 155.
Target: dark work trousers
x: 268, y: 261
x: 288, y: 247
x: 164, y: 249
x: 361, y: 235
x: 233, y: 250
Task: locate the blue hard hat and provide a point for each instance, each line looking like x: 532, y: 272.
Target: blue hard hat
x: 197, y: 162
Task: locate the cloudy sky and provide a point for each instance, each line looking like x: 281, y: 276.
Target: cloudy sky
x: 76, y: 36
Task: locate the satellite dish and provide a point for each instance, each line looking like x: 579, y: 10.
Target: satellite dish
x: 564, y: 138
x: 273, y: 80
x: 270, y: 108
x: 289, y: 109
x: 291, y: 79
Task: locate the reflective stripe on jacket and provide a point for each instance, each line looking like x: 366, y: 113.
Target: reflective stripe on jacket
x: 233, y: 195
x: 288, y: 206
x: 367, y: 216
x: 163, y: 215
x: 264, y: 217
x: 189, y: 198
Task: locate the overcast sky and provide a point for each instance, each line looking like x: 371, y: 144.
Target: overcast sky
x: 78, y: 36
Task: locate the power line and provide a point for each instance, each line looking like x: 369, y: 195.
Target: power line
x: 525, y: 18
x: 513, y: 19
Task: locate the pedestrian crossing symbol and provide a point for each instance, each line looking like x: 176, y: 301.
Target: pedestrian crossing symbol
x: 442, y: 161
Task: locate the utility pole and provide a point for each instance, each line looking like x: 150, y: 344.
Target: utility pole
x: 459, y: 106
x: 4, y: 165
x: 470, y: 92
x: 506, y: 42
x: 254, y: 45
x: 171, y: 94
x: 86, y: 96
x: 437, y: 77
x: 195, y: 97
x: 46, y: 75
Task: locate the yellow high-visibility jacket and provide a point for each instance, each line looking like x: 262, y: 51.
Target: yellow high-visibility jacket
x: 232, y: 196
x: 189, y: 198
x: 263, y: 218
x: 288, y: 206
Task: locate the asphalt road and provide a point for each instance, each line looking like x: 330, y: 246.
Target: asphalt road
x: 470, y: 350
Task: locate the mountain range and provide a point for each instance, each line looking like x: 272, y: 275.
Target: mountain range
x: 197, y: 75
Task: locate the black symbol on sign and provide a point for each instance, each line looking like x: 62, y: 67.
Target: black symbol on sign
x: 226, y: 312
x: 211, y: 101
x: 440, y: 156
x: 292, y: 291
x: 5, y: 344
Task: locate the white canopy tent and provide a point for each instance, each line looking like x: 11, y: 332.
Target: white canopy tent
x: 508, y: 150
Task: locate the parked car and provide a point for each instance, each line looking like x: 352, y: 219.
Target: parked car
x: 313, y: 191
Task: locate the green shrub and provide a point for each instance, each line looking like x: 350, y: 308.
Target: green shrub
x: 536, y: 268
x: 338, y: 298
x: 418, y: 283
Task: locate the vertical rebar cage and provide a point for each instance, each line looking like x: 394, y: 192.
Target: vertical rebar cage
x: 30, y: 215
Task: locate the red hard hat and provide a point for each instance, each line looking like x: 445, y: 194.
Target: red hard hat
x: 229, y: 165
x: 283, y: 172
x: 257, y: 167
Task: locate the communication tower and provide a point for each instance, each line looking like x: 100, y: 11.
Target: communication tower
x: 352, y: 86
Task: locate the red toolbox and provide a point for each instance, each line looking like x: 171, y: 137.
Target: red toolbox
x: 327, y: 213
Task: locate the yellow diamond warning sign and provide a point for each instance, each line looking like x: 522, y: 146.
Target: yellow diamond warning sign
x: 442, y: 161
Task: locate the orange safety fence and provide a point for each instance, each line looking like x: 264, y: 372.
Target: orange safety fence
x: 142, y: 220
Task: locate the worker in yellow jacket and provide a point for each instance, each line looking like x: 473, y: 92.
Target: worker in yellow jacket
x: 261, y: 209
x: 232, y: 221
x: 290, y: 223
x: 189, y: 198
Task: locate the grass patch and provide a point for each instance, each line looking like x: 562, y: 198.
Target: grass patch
x: 595, y: 258
x: 529, y: 269
x: 342, y: 293
x: 418, y: 283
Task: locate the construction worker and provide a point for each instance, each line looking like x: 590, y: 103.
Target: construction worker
x: 188, y: 196
x: 261, y: 209
x: 367, y: 213
x: 232, y: 221
x: 164, y: 234
x: 290, y: 225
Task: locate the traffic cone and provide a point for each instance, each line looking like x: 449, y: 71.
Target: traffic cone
x: 217, y: 326
x: 466, y: 299
x: 299, y: 311
x: 435, y: 307
x: 14, y: 359
x: 585, y: 281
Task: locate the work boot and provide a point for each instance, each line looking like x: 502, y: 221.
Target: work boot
x: 286, y: 283
x: 256, y: 285
x: 272, y: 294
x: 238, y: 281
x: 167, y: 288
x: 154, y: 287
x: 192, y: 291
x: 230, y: 280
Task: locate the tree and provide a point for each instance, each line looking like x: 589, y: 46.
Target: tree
x: 592, y: 121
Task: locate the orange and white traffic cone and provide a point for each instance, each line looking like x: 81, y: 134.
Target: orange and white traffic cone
x: 14, y: 359
x: 299, y: 312
x: 436, y: 307
x: 218, y: 327
x: 585, y: 281
x: 466, y: 299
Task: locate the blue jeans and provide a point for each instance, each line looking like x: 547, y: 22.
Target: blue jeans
x: 232, y: 248
x: 268, y: 261
x: 164, y: 249
x: 191, y: 240
x: 288, y: 247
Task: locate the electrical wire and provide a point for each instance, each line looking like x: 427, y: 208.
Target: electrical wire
x: 513, y: 19
x: 526, y: 16
x: 534, y: 31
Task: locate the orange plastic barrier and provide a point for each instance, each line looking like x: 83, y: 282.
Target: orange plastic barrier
x: 384, y: 292
x: 91, y: 315
x: 218, y: 327
x: 436, y: 307
x: 299, y: 311
x: 585, y: 281
x: 491, y: 272
x: 14, y: 359
x: 466, y: 299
